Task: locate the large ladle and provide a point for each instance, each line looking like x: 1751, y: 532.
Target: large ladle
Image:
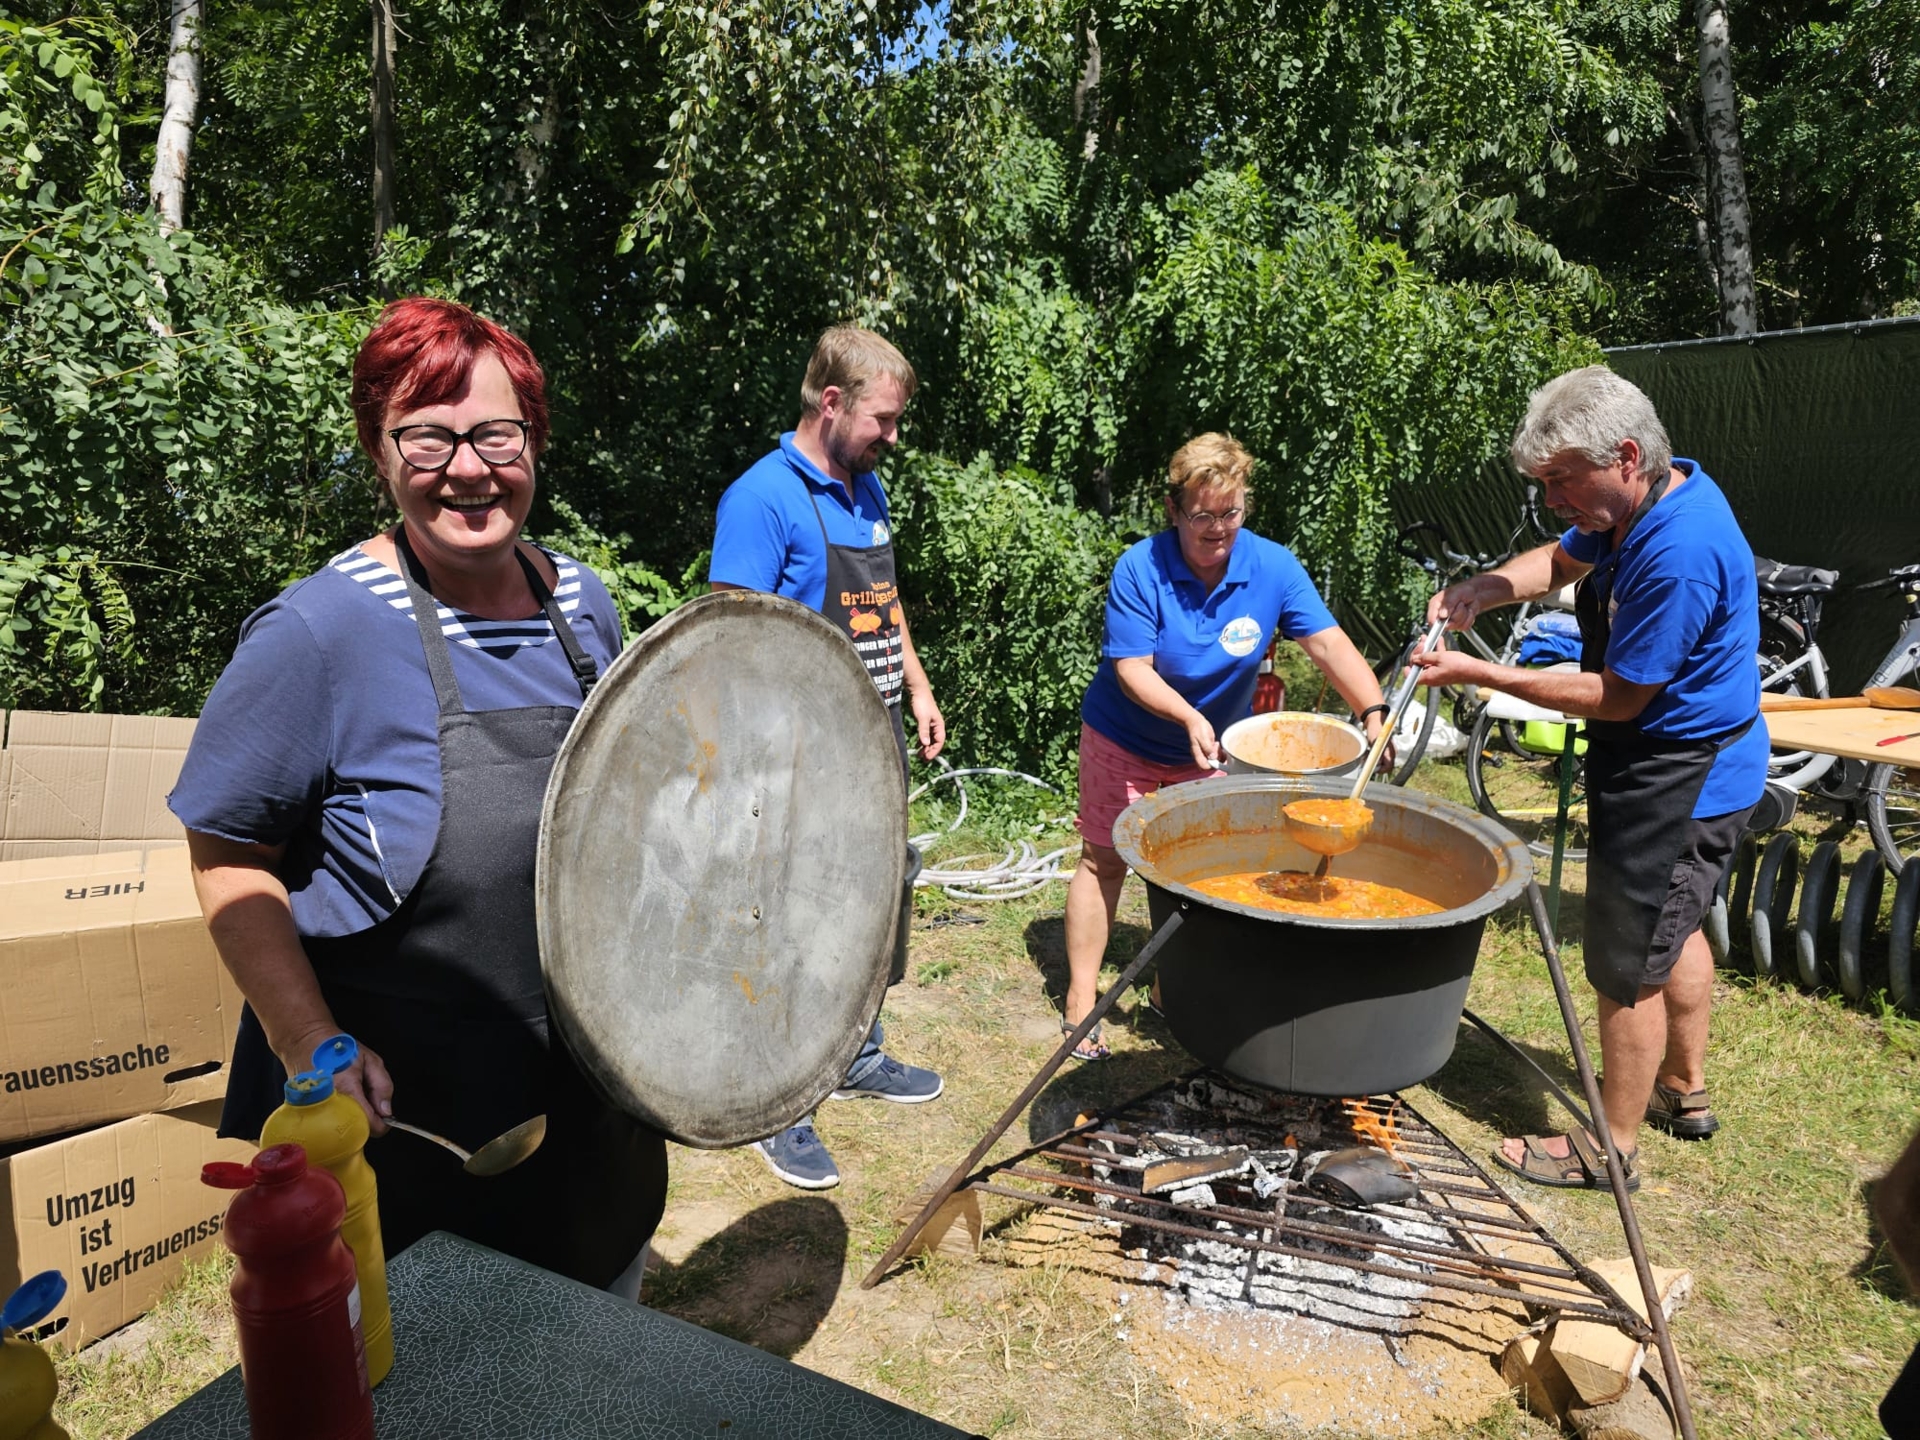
x: 1331, y: 835
x: 498, y: 1155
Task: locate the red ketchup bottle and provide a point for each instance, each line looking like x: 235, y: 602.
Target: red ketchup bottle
x: 1269, y: 690
x: 295, y: 1299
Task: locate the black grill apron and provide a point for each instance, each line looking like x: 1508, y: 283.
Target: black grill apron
x: 447, y: 991
x: 863, y: 601
x: 1641, y: 791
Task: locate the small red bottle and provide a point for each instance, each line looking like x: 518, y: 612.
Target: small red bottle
x: 295, y: 1299
x: 1269, y: 690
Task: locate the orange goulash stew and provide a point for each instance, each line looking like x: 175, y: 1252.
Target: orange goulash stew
x: 1339, y: 814
x: 1333, y: 898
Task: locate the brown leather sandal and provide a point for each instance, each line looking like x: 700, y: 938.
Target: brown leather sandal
x: 1686, y: 1117
x: 1581, y: 1168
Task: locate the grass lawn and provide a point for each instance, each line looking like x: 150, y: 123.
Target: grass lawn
x: 1797, y: 1325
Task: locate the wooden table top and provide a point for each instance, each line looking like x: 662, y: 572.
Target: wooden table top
x: 1850, y: 733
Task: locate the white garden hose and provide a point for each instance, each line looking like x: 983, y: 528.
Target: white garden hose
x: 1022, y: 870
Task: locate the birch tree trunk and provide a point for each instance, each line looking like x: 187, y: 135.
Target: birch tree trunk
x: 382, y: 118
x: 168, y: 189
x: 1727, y: 187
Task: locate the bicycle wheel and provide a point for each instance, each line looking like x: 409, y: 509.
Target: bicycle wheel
x: 1410, y: 740
x: 1782, y: 642
x: 1521, y: 789
x: 1892, y: 795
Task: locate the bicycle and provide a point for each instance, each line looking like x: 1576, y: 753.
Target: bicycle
x: 1792, y: 663
x: 1444, y: 565
x: 1891, y: 793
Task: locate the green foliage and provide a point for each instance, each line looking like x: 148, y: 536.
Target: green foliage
x: 640, y: 595
x: 73, y: 613
x: 1352, y: 233
x: 1006, y: 582
x: 174, y: 442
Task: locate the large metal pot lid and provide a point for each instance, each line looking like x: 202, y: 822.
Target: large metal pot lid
x: 721, y: 855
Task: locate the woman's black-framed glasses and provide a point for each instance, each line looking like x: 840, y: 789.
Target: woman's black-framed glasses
x: 432, y: 447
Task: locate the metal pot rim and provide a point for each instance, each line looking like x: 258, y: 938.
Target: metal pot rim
x: 1511, y: 855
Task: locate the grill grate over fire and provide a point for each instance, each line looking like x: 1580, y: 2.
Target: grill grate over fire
x: 1355, y: 1212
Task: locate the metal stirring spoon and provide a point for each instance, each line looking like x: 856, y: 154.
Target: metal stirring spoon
x: 1328, y: 839
x: 498, y: 1155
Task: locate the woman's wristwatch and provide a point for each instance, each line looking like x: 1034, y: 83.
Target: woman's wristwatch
x: 1381, y: 709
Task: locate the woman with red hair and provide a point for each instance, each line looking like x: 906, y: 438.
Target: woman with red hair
x: 362, y: 801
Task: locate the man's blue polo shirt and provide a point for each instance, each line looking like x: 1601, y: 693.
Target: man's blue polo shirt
x: 1686, y: 617
x: 766, y: 536
x: 1206, y: 646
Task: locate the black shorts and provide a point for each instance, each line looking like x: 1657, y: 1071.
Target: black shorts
x: 1705, y: 851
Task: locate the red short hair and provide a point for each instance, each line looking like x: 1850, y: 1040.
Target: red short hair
x: 421, y: 352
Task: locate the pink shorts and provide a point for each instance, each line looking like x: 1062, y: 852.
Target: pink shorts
x: 1112, y: 777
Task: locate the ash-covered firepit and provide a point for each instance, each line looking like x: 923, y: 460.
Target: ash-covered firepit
x: 1247, y: 1171
x: 1263, y: 1288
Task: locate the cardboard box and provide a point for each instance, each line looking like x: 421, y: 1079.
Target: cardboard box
x: 113, y: 1001
x: 117, y: 1210
x: 87, y: 784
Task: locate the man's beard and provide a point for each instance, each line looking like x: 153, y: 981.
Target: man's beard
x: 854, y: 462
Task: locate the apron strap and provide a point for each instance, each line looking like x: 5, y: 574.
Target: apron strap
x: 585, y: 672
x: 426, y: 612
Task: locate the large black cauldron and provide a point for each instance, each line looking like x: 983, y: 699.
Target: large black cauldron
x: 1319, y: 1007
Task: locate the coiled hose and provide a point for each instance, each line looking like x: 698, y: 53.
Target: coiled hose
x: 1022, y: 870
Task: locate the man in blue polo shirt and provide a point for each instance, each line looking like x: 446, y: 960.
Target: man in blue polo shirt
x: 809, y: 522
x: 1677, y: 752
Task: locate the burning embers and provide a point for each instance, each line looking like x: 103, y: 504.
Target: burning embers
x: 1284, y: 1210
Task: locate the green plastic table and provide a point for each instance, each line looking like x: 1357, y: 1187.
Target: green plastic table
x: 490, y: 1348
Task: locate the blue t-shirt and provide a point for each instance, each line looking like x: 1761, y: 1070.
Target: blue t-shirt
x: 322, y: 732
x: 1206, y: 646
x: 1686, y: 617
x: 766, y: 536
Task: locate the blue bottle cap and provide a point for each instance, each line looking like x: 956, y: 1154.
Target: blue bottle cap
x: 33, y: 1301
x: 336, y: 1054
x: 309, y: 1087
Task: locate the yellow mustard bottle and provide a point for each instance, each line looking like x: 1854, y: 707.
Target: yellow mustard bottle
x: 27, y: 1383
x: 333, y: 1129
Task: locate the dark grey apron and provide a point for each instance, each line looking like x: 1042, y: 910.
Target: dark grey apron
x: 862, y: 601
x: 447, y: 991
x: 1641, y: 791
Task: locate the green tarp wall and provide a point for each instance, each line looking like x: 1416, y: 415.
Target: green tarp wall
x: 1813, y: 434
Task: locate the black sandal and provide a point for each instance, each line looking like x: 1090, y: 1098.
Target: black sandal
x: 1581, y: 1168
x: 1686, y: 1117
x: 1091, y: 1046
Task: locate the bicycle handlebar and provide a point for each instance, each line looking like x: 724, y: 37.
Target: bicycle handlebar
x: 1452, y: 562
x: 1904, y: 575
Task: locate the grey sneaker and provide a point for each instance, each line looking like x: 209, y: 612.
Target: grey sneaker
x: 797, y: 1157
x: 890, y: 1080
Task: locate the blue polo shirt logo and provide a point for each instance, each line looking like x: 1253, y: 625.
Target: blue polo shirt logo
x: 1241, y: 637
x: 879, y: 532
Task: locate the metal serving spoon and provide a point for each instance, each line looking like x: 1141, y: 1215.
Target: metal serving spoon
x: 1330, y: 837
x: 499, y: 1154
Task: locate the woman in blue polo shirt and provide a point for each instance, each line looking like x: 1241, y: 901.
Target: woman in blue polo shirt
x: 1189, y: 614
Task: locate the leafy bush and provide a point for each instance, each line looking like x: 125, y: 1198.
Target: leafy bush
x: 175, y: 444
x: 1005, y: 581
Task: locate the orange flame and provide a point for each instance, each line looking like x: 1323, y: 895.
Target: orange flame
x: 1376, y: 1128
